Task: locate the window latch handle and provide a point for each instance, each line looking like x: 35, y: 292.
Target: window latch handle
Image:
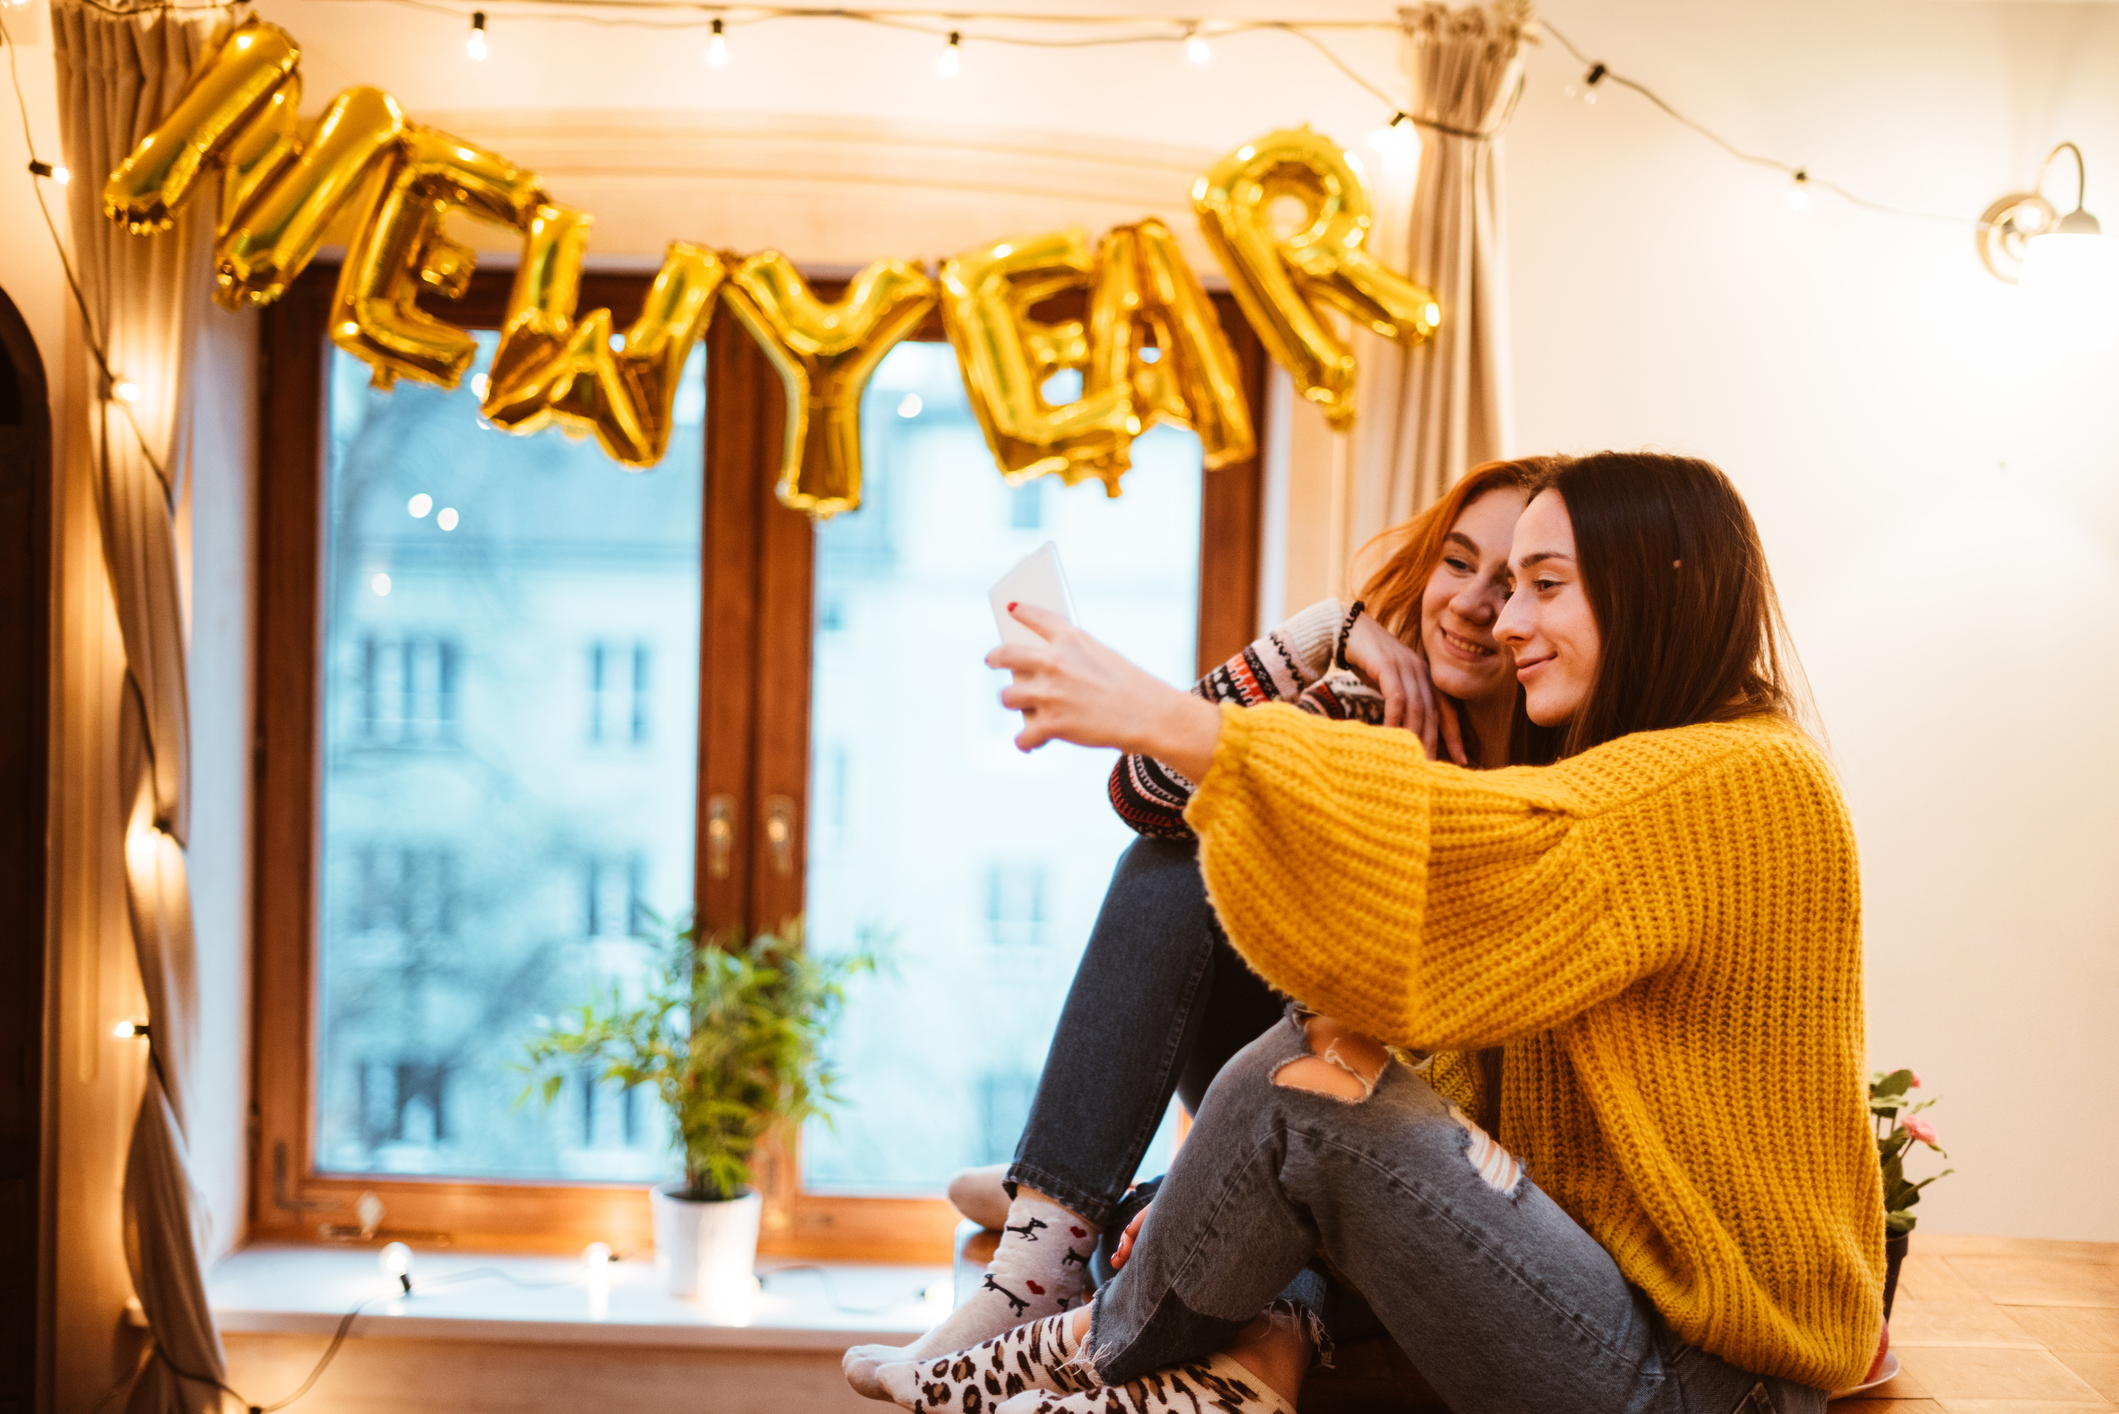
x: 720, y: 834
x: 780, y: 834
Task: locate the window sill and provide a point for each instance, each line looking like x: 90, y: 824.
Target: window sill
x: 286, y: 1289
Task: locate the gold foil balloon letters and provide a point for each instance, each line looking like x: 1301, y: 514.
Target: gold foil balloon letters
x: 231, y: 93
x: 552, y: 369
x: 1149, y: 349
x: 1007, y: 356
x: 375, y: 315
x: 825, y: 354
x: 1194, y: 379
x: 1281, y: 281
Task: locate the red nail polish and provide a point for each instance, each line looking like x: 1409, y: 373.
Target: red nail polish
x: 1011, y: 606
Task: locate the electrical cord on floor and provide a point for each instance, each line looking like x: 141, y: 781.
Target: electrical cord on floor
x: 338, y: 1337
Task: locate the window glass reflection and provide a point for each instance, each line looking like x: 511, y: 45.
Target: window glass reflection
x: 510, y: 736
x: 981, y: 866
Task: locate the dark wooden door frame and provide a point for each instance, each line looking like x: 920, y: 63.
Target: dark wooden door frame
x: 27, y: 1010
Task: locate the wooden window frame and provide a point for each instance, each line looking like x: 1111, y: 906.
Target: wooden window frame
x: 756, y: 586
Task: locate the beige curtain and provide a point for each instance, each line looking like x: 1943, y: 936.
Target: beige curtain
x: 120, y: 66
x: 1429, y: 413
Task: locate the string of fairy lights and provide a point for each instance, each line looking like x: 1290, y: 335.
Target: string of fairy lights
x: 1194, y: 37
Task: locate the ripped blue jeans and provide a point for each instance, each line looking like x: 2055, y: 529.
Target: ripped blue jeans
x: 1500, y: 1299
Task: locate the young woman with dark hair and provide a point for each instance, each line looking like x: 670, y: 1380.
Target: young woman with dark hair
x: 1159, y: 1002
x: 1662, y: 931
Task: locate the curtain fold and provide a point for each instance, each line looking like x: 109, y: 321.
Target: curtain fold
x: 120, y: 66
x: 1428, y: 414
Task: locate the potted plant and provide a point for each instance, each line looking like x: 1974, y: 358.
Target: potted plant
x: 1898, y: 1125
x: 729, y: 1033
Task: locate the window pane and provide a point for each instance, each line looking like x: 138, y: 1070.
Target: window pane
x: 511, y: 678
x: 982, y: 867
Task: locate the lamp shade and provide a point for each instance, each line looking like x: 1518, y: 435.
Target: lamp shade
x: 2070, y: 290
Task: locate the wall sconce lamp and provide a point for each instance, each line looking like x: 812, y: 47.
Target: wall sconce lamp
x: 2012, y: 224
x: 2068, y: 268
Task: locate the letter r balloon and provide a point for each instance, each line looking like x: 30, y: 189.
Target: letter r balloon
x: 1283, y: 282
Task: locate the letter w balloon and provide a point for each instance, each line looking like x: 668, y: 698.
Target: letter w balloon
x: 1283, y: 282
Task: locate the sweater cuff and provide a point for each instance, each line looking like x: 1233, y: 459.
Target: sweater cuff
x: 1224, y: 773
x: 1310, y: 637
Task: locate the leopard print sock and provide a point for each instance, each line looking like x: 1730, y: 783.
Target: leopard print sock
x: 1217, y: 1384
x: 1038, y: 1355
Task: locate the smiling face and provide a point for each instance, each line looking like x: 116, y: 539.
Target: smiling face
x: 1463, y: 600
x: 1547, y: 621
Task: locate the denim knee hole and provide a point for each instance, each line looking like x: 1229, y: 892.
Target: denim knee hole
x: 1347, y: 1070
x: 1501, y: 1170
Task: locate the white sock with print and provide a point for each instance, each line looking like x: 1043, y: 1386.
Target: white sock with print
x: 1040, y: 1268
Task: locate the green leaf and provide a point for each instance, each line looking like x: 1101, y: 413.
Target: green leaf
x: 1896, y: 1083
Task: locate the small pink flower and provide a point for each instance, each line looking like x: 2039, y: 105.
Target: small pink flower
x: 1920, y: 1129
x: 1916, y: 1080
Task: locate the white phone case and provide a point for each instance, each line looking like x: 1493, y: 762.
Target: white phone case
x: 1038, y: 580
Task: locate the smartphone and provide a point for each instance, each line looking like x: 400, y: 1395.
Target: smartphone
x: 1038, y: 580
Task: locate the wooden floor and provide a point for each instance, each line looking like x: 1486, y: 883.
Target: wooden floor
x: 1996, y: 1325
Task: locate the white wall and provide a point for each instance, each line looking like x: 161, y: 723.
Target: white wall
x: 1861, y: 376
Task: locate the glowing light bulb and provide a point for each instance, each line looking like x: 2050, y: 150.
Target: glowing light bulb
x: 1799, y: 191
x: 1586, y: 88
x: 125, y: 391
x: 475, y: 46
x: 1196, y: 47
x: 396, y: 1261
x: 947, y: 65
x: 1392, y: 136
x: 381, y: 585
x: 479, y: 383
x: 597, y: 1255
x: 910, y: 405
x: 419, y: 505
x: 447, y: 519
x: 127, y: 1030
x: 717, y: 47
x: 59, y: 174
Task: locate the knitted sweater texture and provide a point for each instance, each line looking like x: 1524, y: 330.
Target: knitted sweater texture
x: 1664, y: 932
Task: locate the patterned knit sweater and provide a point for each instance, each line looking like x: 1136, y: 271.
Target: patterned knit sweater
x: 1665, y: 932
x: 1293, y: 663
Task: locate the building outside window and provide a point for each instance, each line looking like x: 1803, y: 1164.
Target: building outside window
x: 539, y: 861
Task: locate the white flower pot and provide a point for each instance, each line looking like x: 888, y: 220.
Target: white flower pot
x: 707, y: 1250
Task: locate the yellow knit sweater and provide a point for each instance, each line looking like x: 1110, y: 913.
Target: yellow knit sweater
x: 1664, y: 932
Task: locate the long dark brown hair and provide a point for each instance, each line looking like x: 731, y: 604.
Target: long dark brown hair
x: 1690, y: 628
x: 1393, y: 593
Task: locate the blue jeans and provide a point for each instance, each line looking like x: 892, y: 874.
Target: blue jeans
x: 1159, y: 1003
x: 1502, y: 1301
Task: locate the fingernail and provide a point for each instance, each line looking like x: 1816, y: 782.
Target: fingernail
x: 1011, y: 606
